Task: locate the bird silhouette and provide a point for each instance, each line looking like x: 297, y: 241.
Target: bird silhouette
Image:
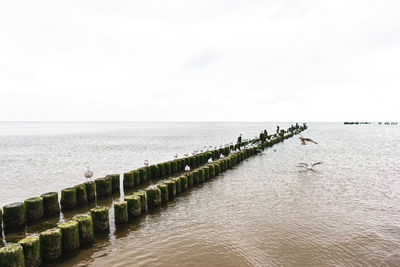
x: 146, y: 163
x: 301, y: 164
x: 304, y: 140
x: 187, y: 168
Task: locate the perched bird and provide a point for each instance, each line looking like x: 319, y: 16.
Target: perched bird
x: 304, y: 140
x: 176, y: 155
x: 88, y: 173
x: 301, y: 164
x: 146, y: 163
x: 222, y: 156
x: 187, y: 168
x: 210, y: 160
x: 186, y: 154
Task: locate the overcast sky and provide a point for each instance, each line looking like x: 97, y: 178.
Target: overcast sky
x: 200, y: 60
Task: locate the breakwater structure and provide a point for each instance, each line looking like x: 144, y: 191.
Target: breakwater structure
x: 84, y: 209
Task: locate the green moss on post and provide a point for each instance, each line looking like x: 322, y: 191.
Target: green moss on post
x: 153, y: 197
x: 192, y: 162
x: 120, y: 212
x: 134, y: 205
x: 128, y: 180
x: 68, y: 198
x: 154, y: 171
x: 114, y: 182
x: 34, y: 208
x: 90, y: 190
x: 103, y: 186
x: 202, y: 175
x: 50, y: 244
x: 100, y: 219
x: 14, y: 215
x: 143, y: 175
x: 195, y: 178
x: 211, y: 169
x: 206, y: 173
x: 177, y: 185
x: 174, y: 166
x: 190, y: 178
x: 217, y: 168
x: 171, y: 188
x: 164, y: 192
x: 167, y: 167
x: 161, y: 169
x: 50, y: 203
x: 85, y: 225
x: 143, y: 200
x: 31, y: 247
x: 81, y: 195
x: 12, y: 256
x: 184, y: 182
x: 69, y: 235
x: 136, y: 178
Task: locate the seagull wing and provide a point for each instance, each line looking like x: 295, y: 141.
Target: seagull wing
x: 303, y: 164
x: 310, y: 140
x: 317, y: 163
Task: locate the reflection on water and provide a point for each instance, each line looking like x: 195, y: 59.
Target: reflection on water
x: 266, y: 211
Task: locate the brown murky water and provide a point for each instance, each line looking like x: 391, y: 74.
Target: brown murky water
x: 268, y: 212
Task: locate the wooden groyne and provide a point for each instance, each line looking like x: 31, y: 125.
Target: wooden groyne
x: 171, y: 181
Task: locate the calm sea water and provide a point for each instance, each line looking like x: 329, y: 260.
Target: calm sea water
x: 266, y: 211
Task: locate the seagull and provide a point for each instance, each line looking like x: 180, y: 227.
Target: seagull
x: 88, y: 173
x: 186, y: 154
x: 303, y: 140
x: 176, y: 155
x: 301, y: 164
x: 146, y: 163
x: 222, y: 156
x: 210, y: 160
x: 187, y: 168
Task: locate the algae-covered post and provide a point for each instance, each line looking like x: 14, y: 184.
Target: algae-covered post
x: 68, y: 198
x: 100, y: 219
x: 90, y: 190
x: 50, y: 203
x: 50, y: 244
x: 153, y: 197
x: 143, y: 200
x: 164, y: 192
x: 134, y: 205
x: 128, y: 180
x: 115, y: 181
x: 69, y: 235
x: 120, y: 212
x: 12, y: 255
x: 81, y: 195
x: 103, y: 186
x: 14, y: 215
x: 85, y: 222
x: 34, y: 208
x: 171, y: 188
x: 31, y: 247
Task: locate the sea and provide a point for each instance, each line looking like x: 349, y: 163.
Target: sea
x: 266, y: 211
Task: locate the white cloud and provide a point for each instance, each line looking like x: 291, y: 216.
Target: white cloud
x: 214, y: 60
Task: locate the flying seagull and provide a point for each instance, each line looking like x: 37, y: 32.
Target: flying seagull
x: 304, y: 140
x: 301, y: 164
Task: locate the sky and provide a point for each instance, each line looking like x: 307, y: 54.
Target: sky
x: 206, y: 60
